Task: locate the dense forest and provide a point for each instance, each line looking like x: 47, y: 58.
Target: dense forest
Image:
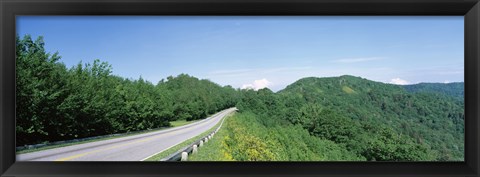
x: 57, y: 103
x: 376, y: 121
x: 455, y: 90
x: 335, y: 118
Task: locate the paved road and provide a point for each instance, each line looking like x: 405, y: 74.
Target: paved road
x: 131, y: 148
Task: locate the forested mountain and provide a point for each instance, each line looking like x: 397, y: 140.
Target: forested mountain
x: 455, y: 89
x: 335, y: 118
x: 374, y: 120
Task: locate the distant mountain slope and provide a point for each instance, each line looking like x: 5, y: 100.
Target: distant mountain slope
x: 455, y: 89
x: 371, y: 118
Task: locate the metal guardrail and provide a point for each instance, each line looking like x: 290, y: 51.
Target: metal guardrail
x: 182, y: 154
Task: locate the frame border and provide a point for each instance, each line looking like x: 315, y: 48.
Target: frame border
x: 470, y: 9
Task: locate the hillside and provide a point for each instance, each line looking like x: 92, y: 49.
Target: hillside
x: 375, y: 120
x: 455, y: 89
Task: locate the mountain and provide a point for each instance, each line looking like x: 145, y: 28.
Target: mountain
x: 456, y: 89
x: 376, y: 120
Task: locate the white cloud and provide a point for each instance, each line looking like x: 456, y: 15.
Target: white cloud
x: 257, y: 84
x: 399, y: 81
x: 356, y: 60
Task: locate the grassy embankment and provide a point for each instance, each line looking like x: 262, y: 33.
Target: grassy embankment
x: 211, y: 151
x: 177, y: 147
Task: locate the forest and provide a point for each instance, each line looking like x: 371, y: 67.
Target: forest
x: 345, y: 118
x: 371, y: 120
x: 56, y: 103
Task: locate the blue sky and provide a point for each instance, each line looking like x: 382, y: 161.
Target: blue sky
x: 257, y: 52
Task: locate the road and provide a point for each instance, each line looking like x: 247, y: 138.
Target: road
x: 130, y: 148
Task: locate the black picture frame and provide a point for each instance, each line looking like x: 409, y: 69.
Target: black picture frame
x: 470, y: 9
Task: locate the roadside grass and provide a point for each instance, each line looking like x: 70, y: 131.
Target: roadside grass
x: 183, y: 122
x: 176, y: 123
x: 212, y: 151
x: 181, y: 145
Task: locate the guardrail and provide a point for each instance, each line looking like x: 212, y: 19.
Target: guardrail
x: 182, y: 154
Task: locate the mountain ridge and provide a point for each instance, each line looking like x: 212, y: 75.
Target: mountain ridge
x: 443, y: 88
x: 430, y: 121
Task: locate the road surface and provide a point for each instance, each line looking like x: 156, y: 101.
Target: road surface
x: 131, y: 148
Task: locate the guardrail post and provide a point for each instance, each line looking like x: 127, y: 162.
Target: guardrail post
x: 195, y: 149
x: 184, y: 156
x: 206, y: 140
x: 201, y: 143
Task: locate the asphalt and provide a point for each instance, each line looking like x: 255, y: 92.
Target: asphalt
x: 130, y: 148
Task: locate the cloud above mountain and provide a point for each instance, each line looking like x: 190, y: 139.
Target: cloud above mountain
x: 257, y: 84
x: 399, y: 81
